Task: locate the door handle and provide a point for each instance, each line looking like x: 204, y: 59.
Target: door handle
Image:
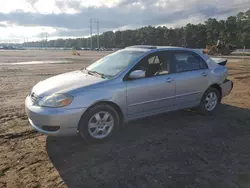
x: 169, y: 80
x: 204, y: 74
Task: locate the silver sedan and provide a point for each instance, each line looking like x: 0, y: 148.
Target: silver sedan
x: 131, y: 83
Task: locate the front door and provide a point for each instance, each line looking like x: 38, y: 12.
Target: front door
x: 191, y: 77
x: 156, y: 92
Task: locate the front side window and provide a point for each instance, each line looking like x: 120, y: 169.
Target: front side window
x: 154, y: 64
x: 112, y: 64
x: 184, y: 62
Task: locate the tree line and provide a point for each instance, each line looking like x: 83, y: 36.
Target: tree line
x: 234, y: 30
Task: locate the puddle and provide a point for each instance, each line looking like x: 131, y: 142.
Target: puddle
x: 36, y: 62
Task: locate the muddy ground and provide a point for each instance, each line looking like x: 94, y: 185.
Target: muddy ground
x: 177, y: 149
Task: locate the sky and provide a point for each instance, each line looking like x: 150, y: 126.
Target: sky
x: 29, y: 20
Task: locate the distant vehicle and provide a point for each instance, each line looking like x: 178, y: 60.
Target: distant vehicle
x: 76, y: 48
x: 102, y: 49
x: 10, y: 48
x: 85, y: 49
x: 132, y: 83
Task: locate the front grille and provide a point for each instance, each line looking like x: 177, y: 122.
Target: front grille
x: 33, y: 97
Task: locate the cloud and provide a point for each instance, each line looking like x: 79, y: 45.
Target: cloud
x: 32, y: 2
x: 2, y: 25
x: 122, y: 14
x: 70, y: 33
x: 146, y: 3
x: 110, y: 17
x: 66, y: 4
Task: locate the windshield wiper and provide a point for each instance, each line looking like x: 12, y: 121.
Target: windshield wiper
x: 94, y: 73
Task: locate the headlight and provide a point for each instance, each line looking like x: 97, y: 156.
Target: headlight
x: 55, y: 101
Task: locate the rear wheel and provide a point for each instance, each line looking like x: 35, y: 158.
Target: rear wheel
x: 209, y: 101
x: 99, y: 123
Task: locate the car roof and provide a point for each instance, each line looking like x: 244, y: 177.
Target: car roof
x: 148, y: 48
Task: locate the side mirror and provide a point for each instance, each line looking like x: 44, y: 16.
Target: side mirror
x: 137, y: 74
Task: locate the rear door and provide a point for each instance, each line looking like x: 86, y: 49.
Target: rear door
x: 191, y: 75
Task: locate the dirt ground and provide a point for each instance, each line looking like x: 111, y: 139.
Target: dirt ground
x: 177, y: 149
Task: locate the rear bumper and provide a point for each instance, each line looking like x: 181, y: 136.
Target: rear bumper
x: 226, y: 87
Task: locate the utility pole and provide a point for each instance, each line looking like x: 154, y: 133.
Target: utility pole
x: 41, y: 40
x: 46, y: 39
x: 185, y: 37
x: 91, y: 45
x: 98, y: 33
x: 98, y: 39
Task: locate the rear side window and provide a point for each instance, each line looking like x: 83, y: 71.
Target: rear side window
x: 184, y: 62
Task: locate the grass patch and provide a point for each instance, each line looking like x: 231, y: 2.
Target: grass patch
x: 2, y: 172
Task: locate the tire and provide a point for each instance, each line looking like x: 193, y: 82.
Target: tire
x: 204, y: 107
x: 99, y: 123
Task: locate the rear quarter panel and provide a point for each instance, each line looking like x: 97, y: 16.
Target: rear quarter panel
x: 219, y: 75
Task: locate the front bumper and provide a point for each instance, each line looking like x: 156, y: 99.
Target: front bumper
x: 64, y: 120
x: 226, y: 87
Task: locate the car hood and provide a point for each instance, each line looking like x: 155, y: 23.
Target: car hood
x: 64, y: 82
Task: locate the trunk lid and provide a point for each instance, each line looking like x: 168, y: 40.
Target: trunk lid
x: 220, y: 61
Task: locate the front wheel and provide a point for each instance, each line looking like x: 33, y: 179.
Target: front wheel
x: 99, y: 123
x: 209, y: 101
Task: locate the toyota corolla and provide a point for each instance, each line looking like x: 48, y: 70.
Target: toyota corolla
x: 132, y: 83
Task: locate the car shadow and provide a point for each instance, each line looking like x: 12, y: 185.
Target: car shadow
x: 177, y: 149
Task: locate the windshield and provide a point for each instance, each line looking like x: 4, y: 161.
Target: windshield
x: 114, y: 63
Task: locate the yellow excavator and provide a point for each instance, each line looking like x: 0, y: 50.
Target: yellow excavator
x: 219, y: 49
